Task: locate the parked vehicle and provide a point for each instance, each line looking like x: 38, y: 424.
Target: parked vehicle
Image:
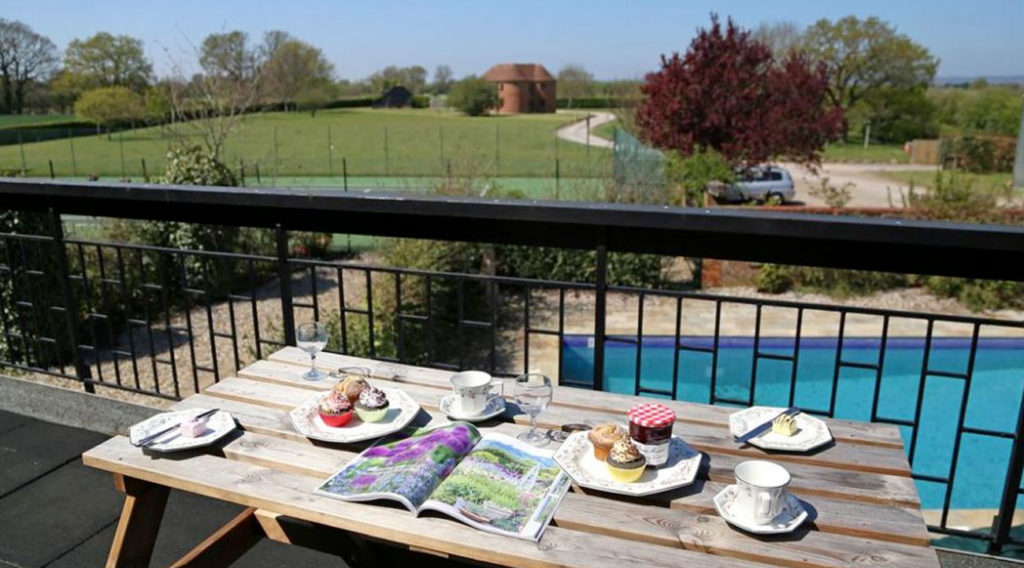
x: 769, y: 184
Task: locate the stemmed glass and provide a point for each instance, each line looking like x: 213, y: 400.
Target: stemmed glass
x: 311, y: 337
x: 533, y: 393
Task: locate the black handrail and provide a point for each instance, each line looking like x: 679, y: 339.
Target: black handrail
x: 893, y: 245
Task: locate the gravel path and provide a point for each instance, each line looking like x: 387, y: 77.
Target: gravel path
x: 577, y: 131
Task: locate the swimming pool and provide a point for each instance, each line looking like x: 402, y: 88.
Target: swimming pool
x: 994, y: 397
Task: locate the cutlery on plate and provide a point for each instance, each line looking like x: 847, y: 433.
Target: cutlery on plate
x: 150, y: 439
x: 765, y: 426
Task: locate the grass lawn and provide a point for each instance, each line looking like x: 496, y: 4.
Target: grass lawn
x: 401, y: 142
x: 10, y: 120
x: 927, y: 179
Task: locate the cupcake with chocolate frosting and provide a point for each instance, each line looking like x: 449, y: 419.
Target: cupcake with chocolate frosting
x: 625, y: 462
x: 372, y: 405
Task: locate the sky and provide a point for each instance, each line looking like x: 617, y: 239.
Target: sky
x: 614, y: 40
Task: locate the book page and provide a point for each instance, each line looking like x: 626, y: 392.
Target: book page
x: 407, y: 470
x: 503, y: 486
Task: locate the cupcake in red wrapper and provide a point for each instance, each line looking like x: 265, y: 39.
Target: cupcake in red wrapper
x: 335, y: 410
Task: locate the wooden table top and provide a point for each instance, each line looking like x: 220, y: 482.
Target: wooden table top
x: 865, y: 507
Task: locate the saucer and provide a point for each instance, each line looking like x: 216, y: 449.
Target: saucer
x: 792, y: 516
x: 495, y: 407
x: 811, y: 433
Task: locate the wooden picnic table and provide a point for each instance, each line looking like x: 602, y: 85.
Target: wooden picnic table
x: 864, y: 506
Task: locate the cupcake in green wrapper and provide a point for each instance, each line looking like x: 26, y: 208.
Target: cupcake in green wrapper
x: 372, y: 405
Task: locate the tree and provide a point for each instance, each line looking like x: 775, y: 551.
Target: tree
x: 413, y: 78
x: 896, y: 114
x: 26, y: 58
x: 106, y: 60
x: 728, y: 93
x: 862, y: 55
x: 295, y: 69
x: 473, y: 96
x: 228, y: 56
x: 574, y: 82
x: 442, y: 79
x: 106, y: 106
x: 780, y: 37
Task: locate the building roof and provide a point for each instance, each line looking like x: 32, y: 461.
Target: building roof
x: 511, y: 72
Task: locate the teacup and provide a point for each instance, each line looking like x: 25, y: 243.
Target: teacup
x: 760, y: 490
x: 473, y: 391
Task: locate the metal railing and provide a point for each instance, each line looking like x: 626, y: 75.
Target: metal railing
x: 135, y: 318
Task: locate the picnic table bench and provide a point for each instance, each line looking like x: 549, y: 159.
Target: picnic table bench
x: 864, y: 506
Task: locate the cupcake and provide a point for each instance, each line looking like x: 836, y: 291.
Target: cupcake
x: 602, y: 437
x: 351, y: 387
x: 625, y: 462
x: 335, y: 410
x: 372, y: 405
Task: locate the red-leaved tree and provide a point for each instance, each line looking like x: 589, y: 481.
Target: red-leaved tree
x: 730, y: 94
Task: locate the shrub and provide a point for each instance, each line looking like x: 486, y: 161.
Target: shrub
x: 836, y: 196
x: 473, y: 96
x: 980, y: 154
x: 695, y: 172
x: 774, y: 278
x: 105, y: 106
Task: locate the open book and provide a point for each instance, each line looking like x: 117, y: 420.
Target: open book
x: 491, y: 481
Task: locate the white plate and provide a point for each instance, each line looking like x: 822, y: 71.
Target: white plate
x: 306, y: 419
x: 576, y: 456
x: 495, y: 407
x: 792, y: 516
x: 218, y: 425
x: 812, y: 432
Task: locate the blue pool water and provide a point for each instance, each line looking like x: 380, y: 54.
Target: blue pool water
x: 993, y: 401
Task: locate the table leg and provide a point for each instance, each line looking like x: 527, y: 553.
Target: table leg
x: 143, y: 510
x: 226, y: 545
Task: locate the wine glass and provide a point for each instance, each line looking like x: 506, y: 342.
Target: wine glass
x: 311, y: 337
x: 533, y: 393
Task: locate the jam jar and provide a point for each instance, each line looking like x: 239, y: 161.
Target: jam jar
x: 650, y: 428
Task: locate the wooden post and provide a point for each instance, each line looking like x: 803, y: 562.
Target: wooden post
x: 140, y: 521
x: 145, y: 172
x: 51, y: 169
x: 74, y: 163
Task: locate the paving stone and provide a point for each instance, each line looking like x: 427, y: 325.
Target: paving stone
x: 54, y: 513
x: 10, y: 421
x: 35, y: 448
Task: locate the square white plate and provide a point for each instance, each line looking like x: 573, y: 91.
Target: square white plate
x: 576, y: 456
x: 218, y: 425
x: 812, y: 432
x: 306, y: 419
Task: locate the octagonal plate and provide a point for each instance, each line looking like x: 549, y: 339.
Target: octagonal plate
x: 812, y: 432
x: 576, y: 456
x: 306, y: 420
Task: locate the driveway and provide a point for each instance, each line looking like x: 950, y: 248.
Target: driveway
x: 868, y: 189
x: 577, y: 131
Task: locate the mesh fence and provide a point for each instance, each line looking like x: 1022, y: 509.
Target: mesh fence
x: 638, y: 169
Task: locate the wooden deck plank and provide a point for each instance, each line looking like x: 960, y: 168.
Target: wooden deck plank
x: 291, y: 494
x: 843, y: 514
x: 667, y: 527
x: 850, y: 431
x: 828, y: 481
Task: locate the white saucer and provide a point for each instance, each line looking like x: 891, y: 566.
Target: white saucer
x: 792, y: 516
x: 495, y: 407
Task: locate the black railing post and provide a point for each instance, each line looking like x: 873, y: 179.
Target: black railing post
x: 1004, y: 520
x: 285, y: 275
x: 82, y: 370
x: 600, y: 293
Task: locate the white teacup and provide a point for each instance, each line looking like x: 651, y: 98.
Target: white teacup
x: 760, y: 490
x: 473, y: 391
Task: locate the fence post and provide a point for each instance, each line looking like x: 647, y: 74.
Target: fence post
x: 74, y: 162
x: 330, y: 152
x: 82, y: 371
x: 285, y: 276
x: 387, y: 170
x: 241, y: 171
x: 120, y: 144
x: 145, y: 172
x: 274, y: 182
x: 51, y: 169
x: 1004, y: 520
x: 344, y: 173
x: 600, y: 292
x: 497, y: 150
x: 258, y: 173
x: 558, y: 179
x: 21, y: 146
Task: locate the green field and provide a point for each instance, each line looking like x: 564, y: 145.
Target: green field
x: 366, y: 142
x: 10, y: 120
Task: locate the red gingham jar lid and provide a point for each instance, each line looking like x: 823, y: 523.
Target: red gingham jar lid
x: 651, y: 415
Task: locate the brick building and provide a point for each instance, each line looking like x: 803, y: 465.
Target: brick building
x: 523, y: 87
